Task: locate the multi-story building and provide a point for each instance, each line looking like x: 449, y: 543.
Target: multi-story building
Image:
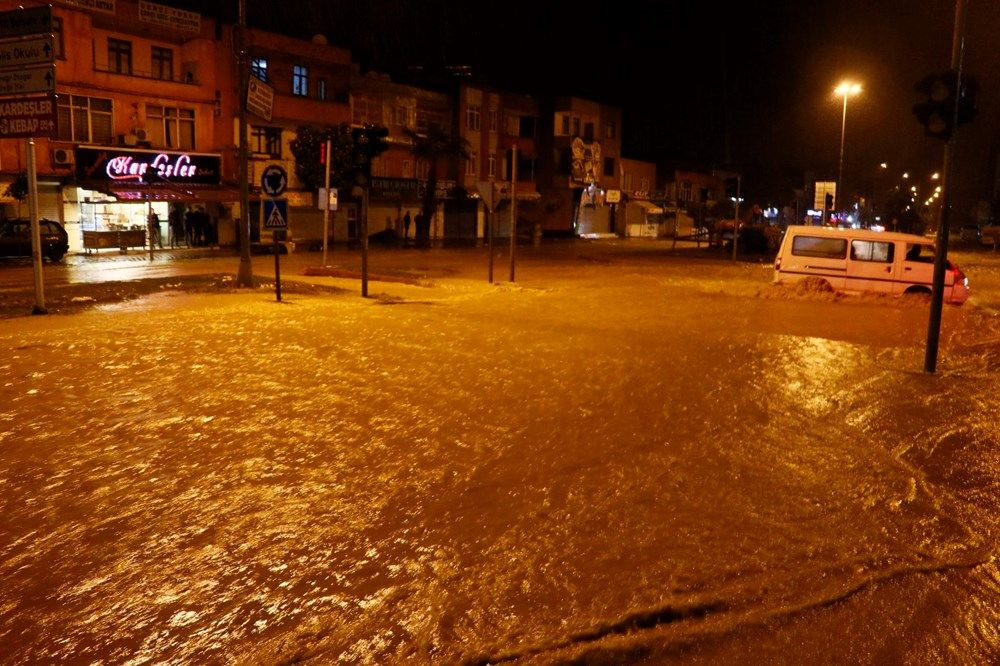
x: 137, y: 103
x: 148, y: 114
x: 308, y: 83
x: 579, y: 161
x: 497, y: 126
x: 642, y: 216
x: 398, y: 176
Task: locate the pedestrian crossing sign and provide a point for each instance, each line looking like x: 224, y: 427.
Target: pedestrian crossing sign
x: 275, y: 213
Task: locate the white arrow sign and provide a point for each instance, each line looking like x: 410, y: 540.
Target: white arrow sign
x: 29, y: 80
x: 37, y: 51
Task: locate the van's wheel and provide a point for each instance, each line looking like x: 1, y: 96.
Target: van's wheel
x: 918, y: 294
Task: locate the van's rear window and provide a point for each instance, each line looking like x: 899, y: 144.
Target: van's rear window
x: 818, y: 246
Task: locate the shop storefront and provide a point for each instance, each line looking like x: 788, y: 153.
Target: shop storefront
x: 123, y: 197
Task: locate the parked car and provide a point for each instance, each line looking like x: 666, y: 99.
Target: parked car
x: 15, y: 239
x: 969, y: 233
x: 990, y: 236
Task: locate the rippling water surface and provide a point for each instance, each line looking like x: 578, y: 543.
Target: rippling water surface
x: 612, y: 460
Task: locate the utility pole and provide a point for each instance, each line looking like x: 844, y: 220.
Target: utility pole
x: 326, y: 192
x: 513, y: 209
x: 941, y: 256
x: 36, y: 240
x: 244, y: 277
x: 736, y: 214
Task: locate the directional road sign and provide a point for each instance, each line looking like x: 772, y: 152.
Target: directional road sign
x: 28, y: 80
x: 30, y: 21
x: 22, y: 52
x: 260, y: 98
x: 274, y: 180
x: 275, y: 213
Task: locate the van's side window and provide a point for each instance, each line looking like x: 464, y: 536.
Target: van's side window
x: 817, y: 246
x: 862, y: 250
x: 920, y: 253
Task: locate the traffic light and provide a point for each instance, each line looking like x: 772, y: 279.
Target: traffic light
x: 377, y: 140
x: 937, y: 113
x: 322, y: 153
x: 370, y: 141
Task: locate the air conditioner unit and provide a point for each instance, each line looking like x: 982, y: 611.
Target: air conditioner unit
x: 140, y: 134
x: 62, y: 157
x: 127, y: 139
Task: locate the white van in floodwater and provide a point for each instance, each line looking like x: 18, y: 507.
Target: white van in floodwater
x: 861, y: 260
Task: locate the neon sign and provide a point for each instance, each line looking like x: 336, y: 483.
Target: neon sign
x: 147, y: 167
x: 125, y: 167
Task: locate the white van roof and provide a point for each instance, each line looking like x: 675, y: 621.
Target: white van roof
x: 798, y: 229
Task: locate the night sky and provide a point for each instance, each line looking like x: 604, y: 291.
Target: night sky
x: 703, y: 85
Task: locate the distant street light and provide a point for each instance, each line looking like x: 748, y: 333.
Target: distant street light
x: 845, y: 90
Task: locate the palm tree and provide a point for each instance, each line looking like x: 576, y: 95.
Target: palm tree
x: 433, y: 146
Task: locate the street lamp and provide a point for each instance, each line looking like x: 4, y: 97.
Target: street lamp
x: 845, y: 90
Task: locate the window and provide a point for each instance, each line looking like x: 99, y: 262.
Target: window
x: 627, y: 182
x: 817, y: 246
x: 472, y: 164
x: 686, y: 192
x: 644, y: 184
x: 526, y: 127
x: 423, y: 169
x: 609, y: 166
x: 491, y: 162
x: 170, y: 127
x: 367, y: 111
x: 472, y: 113
x: 872, y: 251
x: 399, y: 115
x: 321, y: 89
x: 84, y: 119
x: 576, y: 127
x: 564, y: 124
x: 610, y: 130
x: 407, y: 169
x: 300, y: 81
x: 588, y: 132
x: 163, y: 64
x: 119, y: 56
x: 258, y: 67
x: 265, y: 141
x: 493, y: 120
x: 920, y: 253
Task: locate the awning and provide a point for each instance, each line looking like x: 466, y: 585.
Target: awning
x: 165, y: 191
x: 651, y: 208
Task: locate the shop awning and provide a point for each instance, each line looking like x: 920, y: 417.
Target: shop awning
x: 651, y: 208
x: 165, y: 192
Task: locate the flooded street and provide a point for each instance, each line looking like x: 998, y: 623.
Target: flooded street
x: 622, y: 457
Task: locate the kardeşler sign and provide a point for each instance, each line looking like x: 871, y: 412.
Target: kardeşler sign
x: 147, y: 167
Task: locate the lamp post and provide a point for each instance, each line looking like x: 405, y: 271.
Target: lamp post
x: 845, y: 90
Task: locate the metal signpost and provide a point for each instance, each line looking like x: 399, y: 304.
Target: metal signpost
x: 273, y: 182
x: 488, y: 193
x: 27, y: 66
x: 513, y: 209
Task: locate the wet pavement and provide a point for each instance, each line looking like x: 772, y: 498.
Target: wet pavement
x: 629, y: 455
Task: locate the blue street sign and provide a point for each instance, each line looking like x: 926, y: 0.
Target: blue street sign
x: 274, y: 180
x: 275, y: 213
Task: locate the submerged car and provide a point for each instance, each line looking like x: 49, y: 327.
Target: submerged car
x: 860, y: 260
x: 15, y: 239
